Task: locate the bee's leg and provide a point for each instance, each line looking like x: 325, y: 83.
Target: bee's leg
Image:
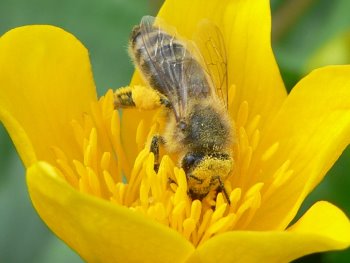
x: 141, y: 97
x: 223, y: 189
x: 154, y: 148
x: 171, y: 181
x: 123, y: 98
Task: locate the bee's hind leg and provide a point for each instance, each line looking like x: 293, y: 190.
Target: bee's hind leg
x: 141, y: 97
x: 123, y: 98
x: 154, y: 148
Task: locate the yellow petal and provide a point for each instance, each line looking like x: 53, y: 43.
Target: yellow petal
x: 101, y: 231
x: 252, y: 66
x: 311, y: 131
x: 45, y: 82
x: 324, y: 227
x: 246, y: 28
x: 325, y: 219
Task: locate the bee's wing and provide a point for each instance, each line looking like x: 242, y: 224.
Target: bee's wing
x: 181, y: 76
x: 210, y: 42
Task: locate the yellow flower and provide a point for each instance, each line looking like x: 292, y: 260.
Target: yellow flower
x: 92, y: 180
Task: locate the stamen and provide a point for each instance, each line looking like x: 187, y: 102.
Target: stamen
x: 204, y: 225
x: 140, y: 135
x: 231, y: 99
x: 253, y: 125
x: 235, y: 196
x: 220, y: 200
x: 188, y: 225
x: 68, y: 173
x: 280, y: 177
x: 109, y: 182
x: 255, y: 139
x: 243, y: 141
x: 242, y: 115
x: 94, y: 183
x: 252, y: 201
x: 270, y: 152
x: 105, y: 160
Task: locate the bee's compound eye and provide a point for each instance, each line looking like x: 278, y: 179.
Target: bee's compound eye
x: 191, y: 160
x: 182, y: 125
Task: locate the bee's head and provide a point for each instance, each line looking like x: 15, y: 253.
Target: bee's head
x: 205, y: 172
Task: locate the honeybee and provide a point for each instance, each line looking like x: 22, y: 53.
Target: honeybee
x: 198, y: 127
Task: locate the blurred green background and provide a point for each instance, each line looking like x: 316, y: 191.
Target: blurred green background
x: 306, y: 34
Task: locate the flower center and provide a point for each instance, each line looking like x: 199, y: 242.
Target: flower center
x: 103, y: 172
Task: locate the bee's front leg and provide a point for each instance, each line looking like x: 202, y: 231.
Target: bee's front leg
x: 154, y: 148
x: 222, y: 189
x: 141, y: 97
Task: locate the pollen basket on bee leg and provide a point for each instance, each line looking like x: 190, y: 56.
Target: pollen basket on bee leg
x: 141, y: 97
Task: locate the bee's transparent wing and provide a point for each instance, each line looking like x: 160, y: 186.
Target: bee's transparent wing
x: 181, y: 76
x: 210, y: 42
